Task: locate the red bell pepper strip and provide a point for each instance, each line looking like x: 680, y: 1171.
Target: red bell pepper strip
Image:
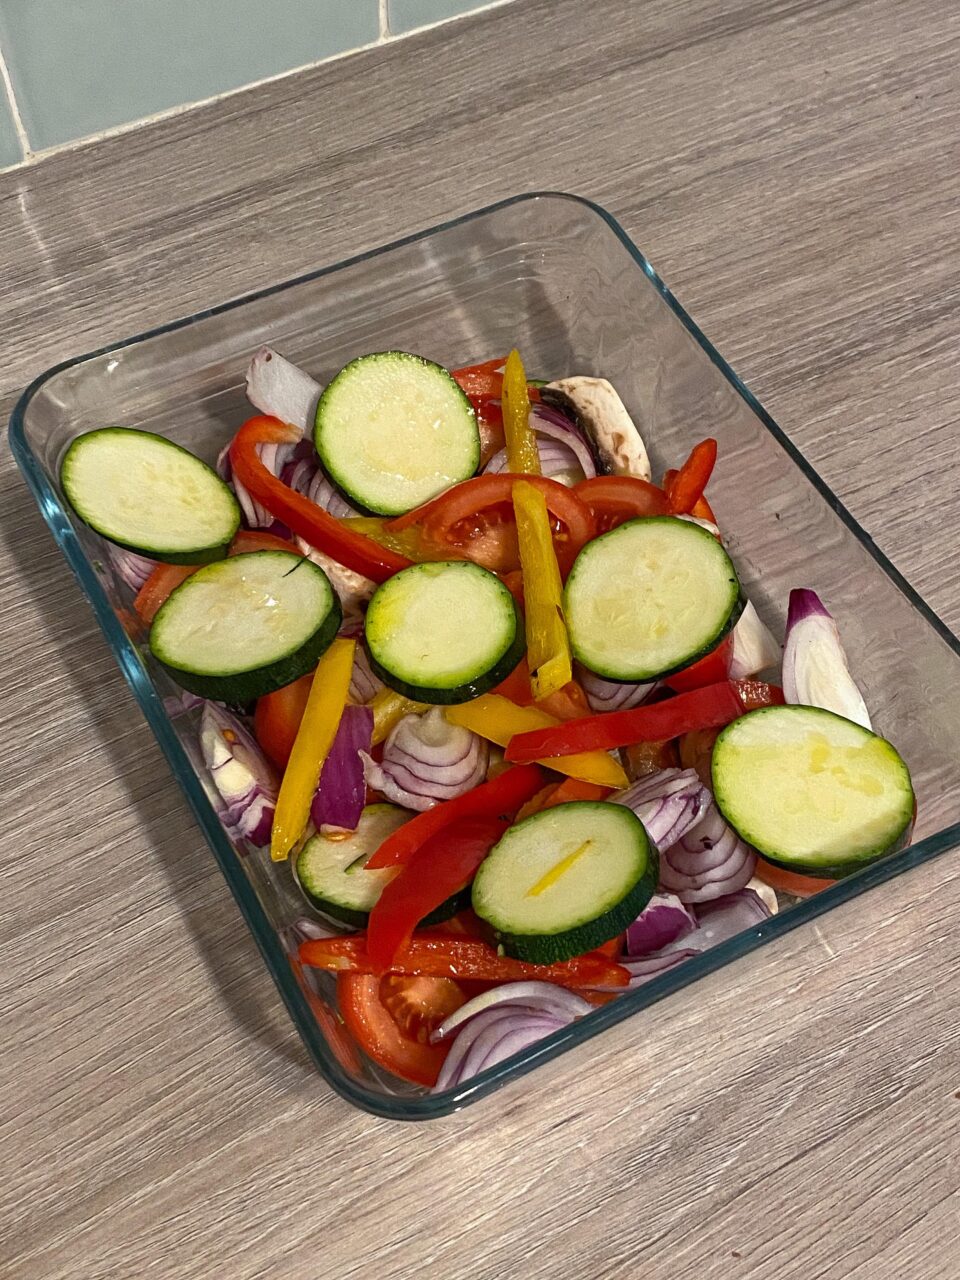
x: 707, y: 708
x: 502, y: 796
x: 442, y: 866
x: 434, y: 955
x: 709, y: 670
x: 304, y: 517
x: 686, y: 488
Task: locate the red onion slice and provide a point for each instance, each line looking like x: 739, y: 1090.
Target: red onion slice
x: 610, y: 695
x: 426, y: 760
x: 244, y: 780
x: 325, y: 494
x: 557, y: 462
x: 815, y: 671
x: 364, y: 685
x: 644, y: 969
x: 502, y: 1022
x: 668, y: 803
x: 753, y: 647
x: 281, y: 389
x: 342, y: 791
x: 708, y: 861
x: 662, y: 921
x: 275, y: 458
x: 546, y: 997
x: 132, y: 569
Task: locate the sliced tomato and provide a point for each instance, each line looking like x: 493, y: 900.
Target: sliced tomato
x: 490, y: 424
x: 163, y: 579
x: 696, y: 752
x: 643, y: 758
x: 613, y: 499
x: 419, y: 1005
x: 374, y: 1027
x: 715, y: 666
x: 757, y: 693
x: 568, y: 703
x: 248, y: 540
x: 276, y: 719
x: 789, y: 881
x: 475, y: 519
x: 563, y: 793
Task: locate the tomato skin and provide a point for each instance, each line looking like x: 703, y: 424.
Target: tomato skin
x: 467, y: 513
x: 162, y: 581
x: 614, y: 499
x: 419, y: 1005
x: 166, y: 577
x: 784, y: 881
x: 276, y: 719
x: 372, y: 1025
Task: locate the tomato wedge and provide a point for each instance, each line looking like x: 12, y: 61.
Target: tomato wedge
x: 789, y: 881
x: 276, y: 719
x: 613, y: 499
x: 464, y: 515
x: 163, y: 579
x: 568, y: 703
x: 373, y: 1025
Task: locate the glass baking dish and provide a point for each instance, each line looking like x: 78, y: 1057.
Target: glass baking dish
x: 556, y: 276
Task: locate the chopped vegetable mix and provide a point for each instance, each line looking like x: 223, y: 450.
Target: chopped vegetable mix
x: 501, y: 696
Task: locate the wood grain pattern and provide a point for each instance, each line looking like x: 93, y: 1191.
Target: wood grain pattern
x: 791, y: 168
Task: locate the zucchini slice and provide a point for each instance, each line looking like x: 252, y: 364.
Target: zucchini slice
x: 444, y: 631
x: 143, y: 492
x: 649, y: 598
x: 394, y: 430
x: 566, y: 880
x: 331, y: 870
x: 245, y: 626
x: 811, y: 791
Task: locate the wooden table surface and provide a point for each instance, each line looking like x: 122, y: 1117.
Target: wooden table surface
x: 791, y: 168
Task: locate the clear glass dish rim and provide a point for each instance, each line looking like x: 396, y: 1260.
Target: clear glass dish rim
x: 433, y: 1106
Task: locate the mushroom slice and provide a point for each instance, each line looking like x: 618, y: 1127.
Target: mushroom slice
x: 603, y: 418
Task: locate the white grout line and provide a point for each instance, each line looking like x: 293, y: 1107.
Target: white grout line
x: 31, y: 156
x: 14, y: 108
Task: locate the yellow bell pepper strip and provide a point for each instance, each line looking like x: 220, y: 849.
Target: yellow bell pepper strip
x: 548, y: 645
x: 388, y: 709
x: 318, y: 728
x: 523, y: 457
x: 497, y: 719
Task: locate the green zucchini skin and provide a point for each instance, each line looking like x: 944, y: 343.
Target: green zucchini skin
x: 760, y: 803
x: 347, y: 896
x: 626, y: 542
x: 391, y: 648
x: 79, y: 490
x: 242, y: 686
x: 342, y: 425
x: 573, y: 924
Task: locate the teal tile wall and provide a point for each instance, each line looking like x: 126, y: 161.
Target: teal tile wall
x: 9, y: 142
x: 78, y: 67
x: 406, y: 15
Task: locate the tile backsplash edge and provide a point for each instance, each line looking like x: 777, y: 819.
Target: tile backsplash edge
x: 9, y: 106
